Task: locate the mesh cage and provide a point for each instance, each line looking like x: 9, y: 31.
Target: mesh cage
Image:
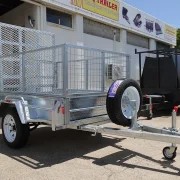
x: 85, y: 67
x: 39, y: 71
x: 95, y: 70
x: 14, y: 41
x: 117, y: 67
x: 62, y: 70
x: 43, y: 71
x: 11, y: 73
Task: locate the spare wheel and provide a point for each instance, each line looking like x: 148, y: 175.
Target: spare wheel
x: 119, y: 96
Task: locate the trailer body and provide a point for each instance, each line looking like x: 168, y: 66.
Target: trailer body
x: 60, y: 85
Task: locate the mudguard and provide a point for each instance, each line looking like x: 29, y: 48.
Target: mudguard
x: 20, y: 109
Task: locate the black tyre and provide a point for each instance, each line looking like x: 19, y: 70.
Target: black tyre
x: 117, y: 101
x: 168, y: 155
x: 149, y: 116
x: 15, y: 133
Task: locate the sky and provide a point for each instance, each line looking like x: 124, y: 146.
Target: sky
x: 167, y: 11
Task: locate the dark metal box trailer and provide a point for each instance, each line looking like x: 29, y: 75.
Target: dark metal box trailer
x: 161, y: 73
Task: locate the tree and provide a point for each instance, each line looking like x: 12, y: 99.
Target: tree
x: 178, y: 38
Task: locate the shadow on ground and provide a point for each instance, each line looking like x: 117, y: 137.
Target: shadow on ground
x: 46, y: 148
x: 120, y: 159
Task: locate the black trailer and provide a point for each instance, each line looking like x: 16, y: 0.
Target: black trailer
x: 161, y: 74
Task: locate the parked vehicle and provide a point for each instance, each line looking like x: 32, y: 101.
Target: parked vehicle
x: 161, y: 74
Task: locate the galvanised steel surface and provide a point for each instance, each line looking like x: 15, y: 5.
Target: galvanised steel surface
x: 15, y: 66
x: 62, y: 70
x: 16, y: 39
x: 74, y: 77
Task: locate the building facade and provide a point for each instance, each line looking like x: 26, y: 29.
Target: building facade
x: 103, y: 24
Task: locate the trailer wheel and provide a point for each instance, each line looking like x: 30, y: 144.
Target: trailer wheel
x: 118, y: 101
x: 149, y: 116
x: 169, y: 155
x: 15, y: 133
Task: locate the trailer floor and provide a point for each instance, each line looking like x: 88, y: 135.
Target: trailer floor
x: 66, y: 155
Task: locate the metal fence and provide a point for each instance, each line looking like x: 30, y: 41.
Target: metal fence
x: 62, y: 70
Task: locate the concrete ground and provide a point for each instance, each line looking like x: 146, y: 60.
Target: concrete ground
x: 69, y: 154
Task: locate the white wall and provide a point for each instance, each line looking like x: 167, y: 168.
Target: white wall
x: 135, y: 57
x: 19, y: 15
x: 135, y: 60
x: 106, y: 44
x: 100, y: 43
x: 62, y: 35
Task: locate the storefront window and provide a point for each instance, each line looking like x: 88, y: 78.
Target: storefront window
x: 137, y: 40
x: 160, y: 45
x: 60, y: 18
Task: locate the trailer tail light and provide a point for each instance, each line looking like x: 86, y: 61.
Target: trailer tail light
x: 176, y: 108
x: 63, y: 110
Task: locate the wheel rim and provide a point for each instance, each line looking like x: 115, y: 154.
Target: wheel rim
x: 131, y: 93
x: 9, y: 126
x: 168, y: 154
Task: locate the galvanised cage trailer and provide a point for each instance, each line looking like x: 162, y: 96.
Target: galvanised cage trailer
x: 73, y: 87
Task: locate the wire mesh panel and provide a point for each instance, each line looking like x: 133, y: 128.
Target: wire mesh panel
x: 11, y: 73
x: 43, y: 71
x: 76, y: 69
x: 117, y: 67
x: 84, y: 69
x: 63, y: 69
x: 38, y: 71
x: 15, y: 40
x: 94, y: 70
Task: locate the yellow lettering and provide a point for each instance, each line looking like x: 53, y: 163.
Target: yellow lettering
x: 76, y: 3
x: 107, y: 8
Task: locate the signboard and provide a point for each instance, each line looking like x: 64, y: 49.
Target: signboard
x: 170, y: 33
x: 106, y: 8
x: 122, y: 15
x: 146, y: 24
